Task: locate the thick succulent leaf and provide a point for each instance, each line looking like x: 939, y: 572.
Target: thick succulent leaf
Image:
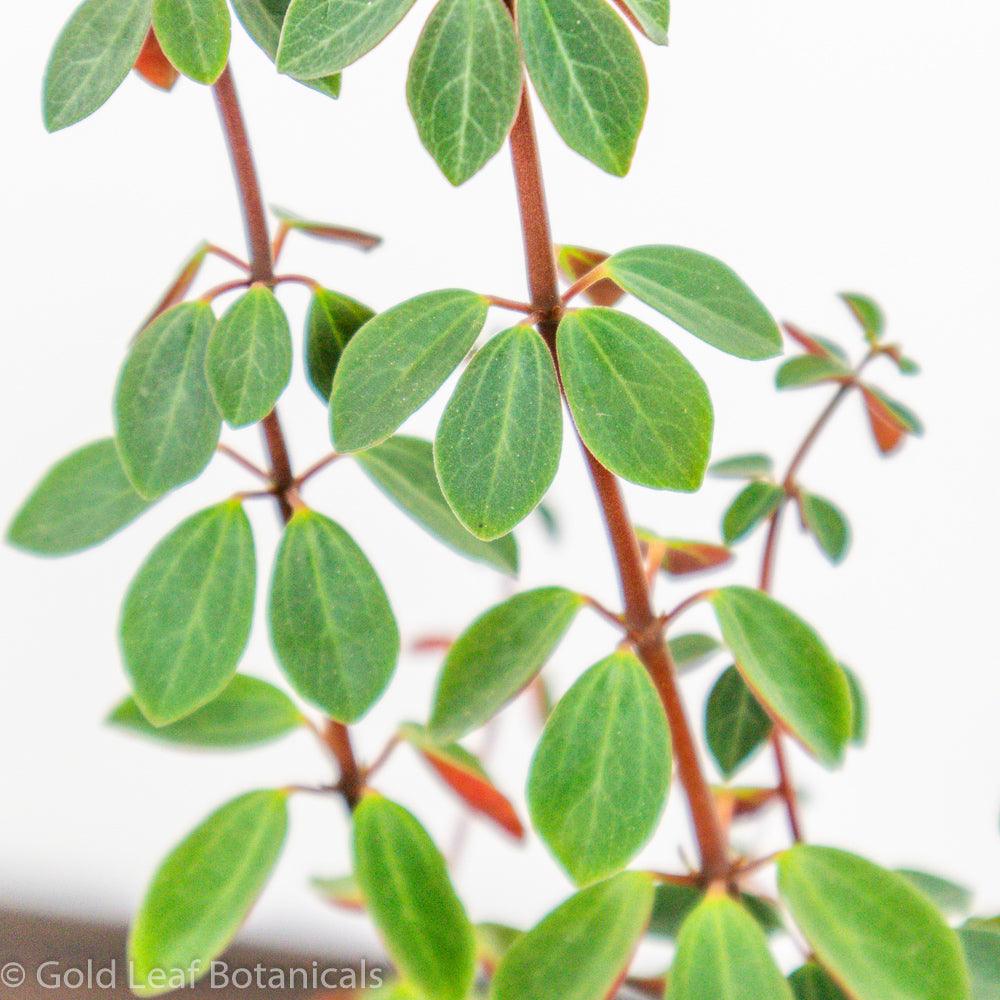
x: 247, y: 713
x: 499, y: 441
x: 92, y: 56
x: 639, y: 405
x: 497, y: 656
x: 981, y: 945
x: 464, y: 84
x: 653, y: 16
x: 878, y: 935
x: 754, y: 504
x: 700, y: 294
x: 166, y: 422
x: 204, y: 890
x: 867, y: 312
x: 789, y: 668
x: 81, y: 501
x: 692, y: 649
x: 827, y: 524
x: 187, y: 614
x: 589, y: 76
x: 397, y: 361
x: 755, y: 466
x: 410, y: 897
x: 575, y: 262
x: 331, y: 321
x: 812, y: 982
x: 806, y: 370
x: 599, y: 778
x: 195, y: 36
x: 331, y: 624
x: 581, y: 950
x: 949, y: 897
x: 736, y: 726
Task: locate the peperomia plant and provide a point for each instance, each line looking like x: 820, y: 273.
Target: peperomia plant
x: 621, y: 735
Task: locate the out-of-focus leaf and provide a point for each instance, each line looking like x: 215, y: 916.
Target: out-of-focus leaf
x: 153, y: 66
x: 343, y: 892
x: 981, y: 946
x: 653, y: 17
x: 493, y: 942
x: 328, y: 231
x: 890, y: 420
x: 754, y: 466
x: 736, y: 726
x: 681, y: 557
x: 812, y: 982
x: 692, y: 650
x: 949, y: 897
x: 754, y: 504
x: 868, y: 314
x: 827, y: 524
x: 575, y: 262
x: 812, y: 343
x: 859, y: 704
x: 809, y: 369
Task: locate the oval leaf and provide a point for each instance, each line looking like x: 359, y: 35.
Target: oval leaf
x: 692, y: 650
x: 497, y: 656
x: 249, y: 359
x: 981, y: 944
x: 828, y: 525
x: 82, y: 500
x: 653, y: 17
x: 330, y: 323
x: 589, y: 76
x: 464, y: 84
x: 153, y: 66
x: 754, y: 466
x: 166, y: 422
x: 204, y: 890
x: 949, y: 897
x: 812, y: 982
x: 187, y: 614
x: 599, y: 778
x: 581, y: 950
x: 331, y: 624
x: 500, y: 438
x: 397, y: 361
x: 867, y: 312
x: 702, y: 295
x: 789, y: 669
x: 736, y: 727
x: 91, y: 58
x: 752, y: 505
x: 682, y: 556
x: 877, y: 934
x: 808, y: 370
x: 640, y: 407
x: 195, y: 36
x: 410, y: 897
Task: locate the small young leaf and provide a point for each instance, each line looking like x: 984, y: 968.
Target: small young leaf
x: 949, y: 897
x: 247, y: 713
x: 493, y: 941
x: 700, y: 294
x: 500, y: 439
x: 754, y: 504
x: 187, y: 614
x: 204, y: 890
x: 589, y: 76
x: 410, y: 897
x: 742, y: 467
x: 671, y: 906
x: 328, y: 232
x: 722, y: 954
x: 320, y: 37
x: 249, y: 358
x: 397, y: 361
x: 599, y: 778
x: 692, y: 650
x: 879, y: 936
x: 789, y: 669
x: 82, y: 500
x: 981, y: 945
x: 403, y: 468
x: 331, y: 624
x: 153, y: 66
x: 806, y: 370
x: 195, y: 36
x: 640, y: 407
x: 496, y: 656
x: 812, y: 343
x: 812, y: 982
x: 736, y: 727
x: 166, y: 422
x: 859, y: 706
x: 868, y: 314
x: 653, y: 17
x: 575, y: 262
x: 464, y: 84
x: 682, y: 557
x: 828, y: 525
x: 581, y: 950
x: 890, y: 420
x: 343, y: 892
x: 330, y: 323
x: 91, y: 58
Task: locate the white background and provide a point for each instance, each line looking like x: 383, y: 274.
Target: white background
x: 814, y: 147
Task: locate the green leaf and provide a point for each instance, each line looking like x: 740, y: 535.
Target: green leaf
x: 868, y: 314
x: 321, y: 37
x: 671, y: 906
x: 828, y: 525
x: 582, y: 948
x: 589, y: 76
x: 599, y: 778
x: 82, y: 500
x: 949, y: 897
x: 247, y: 713
x: 752, y: 505
x: 736, y: 727
x: 204, y: 890
x: 879, y: 936
x: 331, y: 625
x: 653, y: 17
x: 700, y: 294
x: 903, y: 415
x: 397, y: 361
x: 410, y: 897
x: 809, y: 369
x: 92, y: 57
x: 249, y: 358
x: 194, y: 36
x: 981, y: 945
x: 811, y: 982
x: 464, y: 84
x: 859, y: 705
x: 639, y: 405
x: 494, y: 941
x: 789, y: 669
x: 330, y: 323
x: 166, y: 422
x: 692, y: 649
x: 722, y: 954
x: 500, y: 439
x: 497, y: 656
x: 343, y: 891
x: 187, y: 614
x: 403, y: 468
x: 754, y: 466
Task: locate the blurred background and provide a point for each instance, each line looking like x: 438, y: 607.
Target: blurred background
x: 814, y: 148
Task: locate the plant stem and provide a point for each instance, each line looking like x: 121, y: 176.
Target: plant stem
x: 639, y: 616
